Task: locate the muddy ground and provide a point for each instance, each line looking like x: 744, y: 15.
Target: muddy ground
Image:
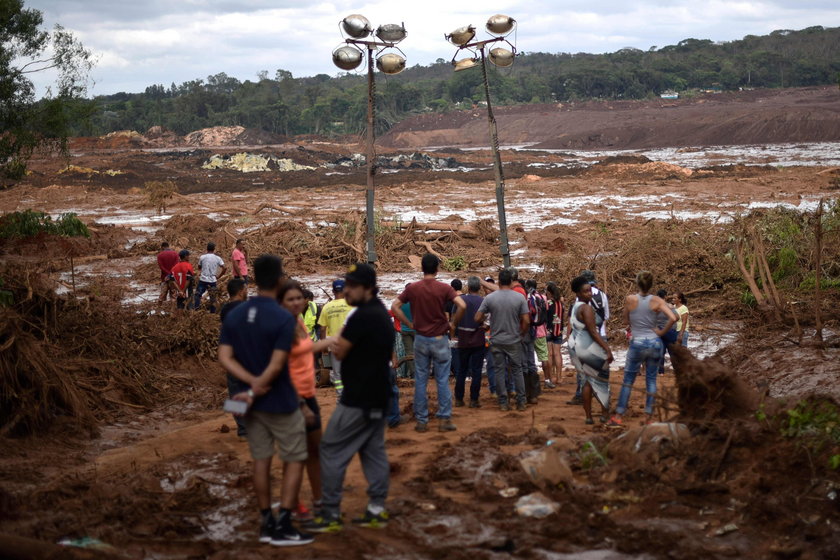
x: 154, y: 470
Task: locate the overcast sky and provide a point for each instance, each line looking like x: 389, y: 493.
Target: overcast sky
x: 145, y: 42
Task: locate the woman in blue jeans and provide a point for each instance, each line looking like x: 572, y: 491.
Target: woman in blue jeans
x: 640, y: 312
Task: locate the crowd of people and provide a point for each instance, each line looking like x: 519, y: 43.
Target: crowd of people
x: 274, y: 344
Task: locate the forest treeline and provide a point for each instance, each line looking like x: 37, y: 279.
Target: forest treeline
x: 325, y: 105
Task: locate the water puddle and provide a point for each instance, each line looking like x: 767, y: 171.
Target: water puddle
x: 220, y: 524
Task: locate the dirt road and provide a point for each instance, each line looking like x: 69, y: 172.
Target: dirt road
x: 163, y: 476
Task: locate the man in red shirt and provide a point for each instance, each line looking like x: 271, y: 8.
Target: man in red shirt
x: 431, y: 343
x: 240, y: 264
x: 166, y: 259
x: 183, y: 274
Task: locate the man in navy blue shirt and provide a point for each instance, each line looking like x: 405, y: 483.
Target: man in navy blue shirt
x: 254, y: 345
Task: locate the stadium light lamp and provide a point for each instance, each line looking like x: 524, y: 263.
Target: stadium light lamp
x: 357, y: 31
x: 502, y: 55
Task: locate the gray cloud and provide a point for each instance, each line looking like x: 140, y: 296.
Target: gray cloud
x: 147, y: 42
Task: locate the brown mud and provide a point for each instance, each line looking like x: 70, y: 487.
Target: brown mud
x: 110, y: 421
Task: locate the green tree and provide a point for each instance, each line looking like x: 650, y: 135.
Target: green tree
x: 26, y: 49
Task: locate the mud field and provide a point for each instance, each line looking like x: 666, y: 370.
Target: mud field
x: 122, y: 438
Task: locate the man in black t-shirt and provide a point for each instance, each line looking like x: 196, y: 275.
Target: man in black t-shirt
x: 357, y: 425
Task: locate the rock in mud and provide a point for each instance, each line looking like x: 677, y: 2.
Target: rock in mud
x: 546, y: 467
x: 536, y: 505
x: 651, y: 439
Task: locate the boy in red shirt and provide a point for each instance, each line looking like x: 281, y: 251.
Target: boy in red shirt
x: 183, y: 274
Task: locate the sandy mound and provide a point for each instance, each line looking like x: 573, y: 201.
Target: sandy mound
x: 230, y: 136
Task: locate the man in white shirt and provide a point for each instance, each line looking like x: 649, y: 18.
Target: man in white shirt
x: 211, y: 266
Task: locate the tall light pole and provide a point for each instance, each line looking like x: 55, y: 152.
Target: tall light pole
x: 357, y: 29
x: 499, y: 26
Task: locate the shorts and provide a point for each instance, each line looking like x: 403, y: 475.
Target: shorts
x: 312, y: 403
x: 541, y: 349
x: 551, y: 339
x: 287, y: 430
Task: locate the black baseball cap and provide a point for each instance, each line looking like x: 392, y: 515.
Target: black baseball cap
x: 361, y: 274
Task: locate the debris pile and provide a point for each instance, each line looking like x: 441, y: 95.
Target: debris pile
x: 652, y: 170
x: 230, y: 136
x: 73, y: 363
x: 414, y: 160
x: 249, y: 163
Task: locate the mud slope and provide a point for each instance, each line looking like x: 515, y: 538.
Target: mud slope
x: 751, y: 117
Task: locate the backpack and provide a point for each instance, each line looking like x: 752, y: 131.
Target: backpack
x: 538, y: 310
x: 597, y: 303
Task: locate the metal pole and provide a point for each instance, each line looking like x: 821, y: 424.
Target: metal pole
x: 371, y: 249
x: 497, y: 166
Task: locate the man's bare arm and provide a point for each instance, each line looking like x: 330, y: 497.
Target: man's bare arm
x: 342, y: 348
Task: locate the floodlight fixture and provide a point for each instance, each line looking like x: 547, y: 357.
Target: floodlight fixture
x: 347, y: 57
x: 502, y: 57
x: 464, y: 63
x: 357, y: 30
x: 500, y: 24
x: 391, y: 32
x: 461, y: 36
x: 356, y: 26
x: 499, y: 27
x: 390, y: 63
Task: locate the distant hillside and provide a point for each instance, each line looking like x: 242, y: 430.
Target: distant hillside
x: 749, y: 117
x: 335, y: 106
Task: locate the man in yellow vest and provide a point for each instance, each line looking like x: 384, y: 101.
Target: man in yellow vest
x: 331, y: 322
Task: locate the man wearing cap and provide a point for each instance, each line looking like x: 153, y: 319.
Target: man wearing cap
x: 601, y: 305
x: 330, y: 322
x: 357, y: 425
x: 428, y: 299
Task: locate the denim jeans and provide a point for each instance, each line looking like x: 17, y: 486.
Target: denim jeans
x: 512, y: 353
x: 394, y: 402
x: 206, y: 287
x: 491, y: 374
x: 408, y: 344
x: 641, y: 351
x: 455, y: 363
x: 669, y: 338
x: 431, y: 353
x: 684, y: 340
x: 471, y: 361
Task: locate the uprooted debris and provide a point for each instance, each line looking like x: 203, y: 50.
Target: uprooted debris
x: 415, y: 160
x: 76, y: 362
x: 249, y: 163
x: 335, y: 240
